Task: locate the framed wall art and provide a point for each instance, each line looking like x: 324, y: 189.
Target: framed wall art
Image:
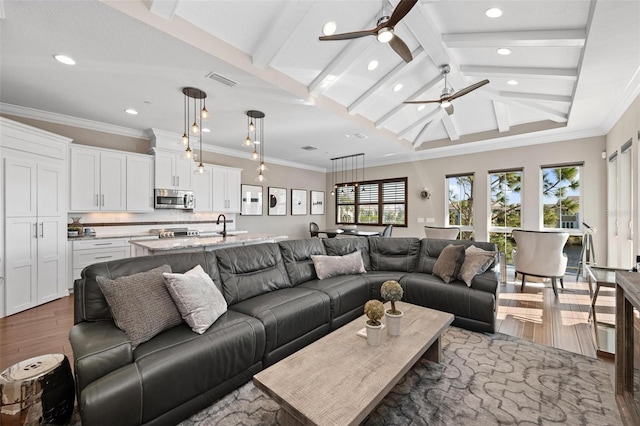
x: 298, y: 202
x: 251, y: 196
x: 277, y: 201
x: 317, y: 202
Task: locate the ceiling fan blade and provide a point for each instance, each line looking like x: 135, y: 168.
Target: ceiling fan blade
x: 400, y: 11
x: 449, y: 109
x: 468, y: 89
x: 348, y: 36
x: 433, y: 101
x: 401, y: 48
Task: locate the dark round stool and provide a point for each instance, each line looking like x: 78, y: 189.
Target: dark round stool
x: 37, y: 391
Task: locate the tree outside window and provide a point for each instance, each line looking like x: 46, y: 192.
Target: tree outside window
x: 460, y: 190
x: 506, y: 208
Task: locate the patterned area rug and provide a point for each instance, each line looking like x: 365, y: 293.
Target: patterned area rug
x: 483, y: 380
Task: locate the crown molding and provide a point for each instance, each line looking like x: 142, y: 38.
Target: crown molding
x: 629, y: 94
x: 52, y: 117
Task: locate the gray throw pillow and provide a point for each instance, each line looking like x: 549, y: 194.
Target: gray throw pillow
x: 476, y: 261
x: 332, y: 266
x: 140, y: 304
x: 198, y: 299
x: 449, y: 261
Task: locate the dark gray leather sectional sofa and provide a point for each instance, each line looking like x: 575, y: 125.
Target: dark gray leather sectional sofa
x: 277, y: 305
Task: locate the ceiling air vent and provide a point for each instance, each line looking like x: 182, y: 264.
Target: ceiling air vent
x: 220, y: 79
x: 309, y: 148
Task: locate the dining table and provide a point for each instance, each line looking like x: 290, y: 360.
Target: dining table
x: 332, y: 233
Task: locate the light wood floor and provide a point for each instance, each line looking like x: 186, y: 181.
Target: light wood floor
x: 534, y: 314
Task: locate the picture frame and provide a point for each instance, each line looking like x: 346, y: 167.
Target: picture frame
x: 251, y: 199
x: 298, y: 202
x: 317, y: 202
x: 277, y: 201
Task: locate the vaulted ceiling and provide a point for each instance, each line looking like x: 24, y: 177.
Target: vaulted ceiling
x: 575, y: 65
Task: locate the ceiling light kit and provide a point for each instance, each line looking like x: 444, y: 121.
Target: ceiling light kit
x: 345, y: 168
x: 384, y: 30
x: 494, y: 12
x: 504, y: 51
x: 198, y: 97
x: 256, y: 126
x: 63, y: 59
x: 447, y: 96
x: 131, y: 111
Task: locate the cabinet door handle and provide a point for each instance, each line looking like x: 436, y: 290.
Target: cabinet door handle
x: 177, y: 180
x: 41, y: 229
x: 173, y: 181
x: 35, y: 230
x: 103, y: 244
x: 102, y: 200
x: 103, y: 257
x: 97, y: 202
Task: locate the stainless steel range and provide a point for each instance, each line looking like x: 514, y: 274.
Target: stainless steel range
x: 174, y: 232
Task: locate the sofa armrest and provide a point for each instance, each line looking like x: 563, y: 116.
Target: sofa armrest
x: 487, y: 281
x: 98, y: 349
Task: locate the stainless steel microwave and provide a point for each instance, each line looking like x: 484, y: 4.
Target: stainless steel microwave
x: 174, y: 199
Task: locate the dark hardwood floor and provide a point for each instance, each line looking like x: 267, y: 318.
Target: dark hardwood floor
x: 534, y: 314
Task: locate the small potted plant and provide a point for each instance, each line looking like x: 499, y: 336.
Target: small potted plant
x: 391, y: 291
x: 72, y: 231
x: 374, y: 310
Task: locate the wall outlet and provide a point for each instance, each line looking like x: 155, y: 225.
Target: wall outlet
x: 421, y: 220
x: 431, y: 220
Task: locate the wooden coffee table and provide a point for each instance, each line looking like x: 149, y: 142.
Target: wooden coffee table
x: 340, y: 379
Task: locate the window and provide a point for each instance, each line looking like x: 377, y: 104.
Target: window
x: 561, y: 196
x: 379, y: 202
x: 506, y: 208
x: 460, y: 190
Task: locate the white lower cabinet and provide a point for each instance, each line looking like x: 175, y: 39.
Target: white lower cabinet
x: 35, y: 261
x: 88, y: 252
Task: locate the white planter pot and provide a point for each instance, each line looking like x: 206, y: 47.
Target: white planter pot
x: 374, y: 332
x: 394, y: 323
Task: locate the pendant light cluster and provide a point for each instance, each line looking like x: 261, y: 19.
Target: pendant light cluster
x: 344, y: 169
x: 199, y: 104
x: 255, y: 128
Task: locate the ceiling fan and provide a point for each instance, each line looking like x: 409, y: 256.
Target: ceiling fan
x: 384, y: 30
x: 447, y: 93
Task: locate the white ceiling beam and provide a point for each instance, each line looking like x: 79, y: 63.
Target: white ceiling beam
x: 548, y: 38
x: 450, y: 127
x: 536, y: 97
x: 428, y: 128
x: 399, y: 107
x: 548, y: 113
x: 520, y: 72
x: 502, y: 116
x: 164, y: 8
x: 430, y: 116
x: 391, y: 75
x: 280, y: 31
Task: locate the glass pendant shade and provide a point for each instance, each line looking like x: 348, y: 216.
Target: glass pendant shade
x: 185, y: 139
x: 247, y: 142
x: 204, y: 113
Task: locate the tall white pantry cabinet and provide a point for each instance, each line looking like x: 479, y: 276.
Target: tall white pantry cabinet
x: 34, y: 215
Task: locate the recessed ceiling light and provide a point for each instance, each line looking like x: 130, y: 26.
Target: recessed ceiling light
x: 494, y: 12
x: 64, y: 59
x: 205, y: 130
x: 512, y: 82
x: 372, y: 65
x: 131, y: 111
x: 504, y: 51
x: 397, y: 87
x: 329, y: 28
x: 421, y: 107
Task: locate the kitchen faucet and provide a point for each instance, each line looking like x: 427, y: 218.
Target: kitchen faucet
x: 224, y: 224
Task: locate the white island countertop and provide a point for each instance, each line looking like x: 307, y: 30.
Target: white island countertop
x: 204, y: 243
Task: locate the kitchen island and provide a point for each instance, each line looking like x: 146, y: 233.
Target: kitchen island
x: 196, y: 244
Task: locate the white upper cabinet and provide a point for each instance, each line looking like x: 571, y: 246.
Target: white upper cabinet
x: 203, y: 190
x: 140, y: 181
x: 35, y: 188
x: 106, y: 180
x: 226, y: 189
x: 173, y: 171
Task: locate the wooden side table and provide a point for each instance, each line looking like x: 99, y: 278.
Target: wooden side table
x: 37, y: 391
